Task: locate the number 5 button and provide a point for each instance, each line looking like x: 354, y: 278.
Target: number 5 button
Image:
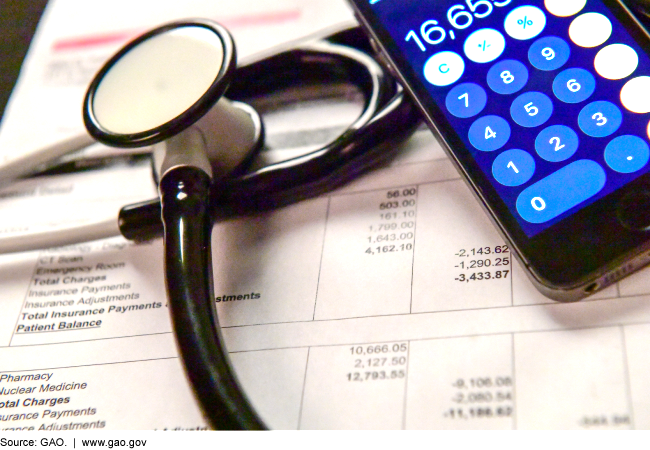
x: 513, y: 167
x: 531, y: 109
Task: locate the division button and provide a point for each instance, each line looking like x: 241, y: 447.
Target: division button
x: 489, y: 133
x: 574, y: 85
x: 600, y: 119
x: 525, y: 22
x: 444, y: 68
x: 590, y: 30
x: 635, y: 95
x: 561, y: 191
x: 556, y: 143
x: 507, y: 76
x: 484, y: 45
x: 627, y: 153
x: 466, y: 100
x: 616, y: 61
x: 531, y: 109
x: 513, y: 167
x: 564, y: 8
x: 549, y: 53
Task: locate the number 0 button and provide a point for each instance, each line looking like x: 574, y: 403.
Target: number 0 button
x: 600, y: 119
x: 531, y: 109
x: 489, y: 133
x: 513, y: 167
x: 466, y: 100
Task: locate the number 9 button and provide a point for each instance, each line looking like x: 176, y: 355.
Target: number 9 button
x: 507, y: 77
x: 548, y: 53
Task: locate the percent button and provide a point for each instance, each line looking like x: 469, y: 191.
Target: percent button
x: 525, y: 22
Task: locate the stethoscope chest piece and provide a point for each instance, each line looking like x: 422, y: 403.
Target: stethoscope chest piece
x: 166, y: 82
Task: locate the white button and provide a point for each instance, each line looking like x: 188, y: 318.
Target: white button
x: 484, y: 45
x: 444, y: 68
x: 564, y: 8
x: 590, y: 30
x: 616, y: 61
x: 525, y: 22
x: 635, y: 95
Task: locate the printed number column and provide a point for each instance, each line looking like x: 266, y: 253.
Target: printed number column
x: 368, y: 254
x: 357, y: 386
x: 460, y: 260
x: 461, y: 383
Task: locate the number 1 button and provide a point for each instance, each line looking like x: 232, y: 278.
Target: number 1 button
x: 466, y: 100
x: 513, y: 167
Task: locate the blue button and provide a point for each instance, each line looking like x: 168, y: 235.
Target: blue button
x: 574, y: 85
x: 531, y: 109
x: 627, y: 154
x: 556, y: 143
x: 507, y: 77
x: 561, y: 191
x: 513, y: 167
x: 600, y: 119
x: 466, y: 100
x: 549, y: 53
x: 489, y: 133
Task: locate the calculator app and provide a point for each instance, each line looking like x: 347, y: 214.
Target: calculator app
x: 552, y: 98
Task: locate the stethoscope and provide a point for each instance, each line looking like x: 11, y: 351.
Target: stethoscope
x: 165, y: 89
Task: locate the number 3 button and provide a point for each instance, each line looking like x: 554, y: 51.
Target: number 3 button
x: 513, y: 167
x: 600, y: 119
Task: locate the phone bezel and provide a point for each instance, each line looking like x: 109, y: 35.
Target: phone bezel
x: 575, y: 251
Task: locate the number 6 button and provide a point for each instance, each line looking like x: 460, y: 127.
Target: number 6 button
x: 531, y: 109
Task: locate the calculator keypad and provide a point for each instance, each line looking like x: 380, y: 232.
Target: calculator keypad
x: 570, y: 179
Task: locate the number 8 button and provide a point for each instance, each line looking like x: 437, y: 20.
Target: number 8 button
x: 507, y: 77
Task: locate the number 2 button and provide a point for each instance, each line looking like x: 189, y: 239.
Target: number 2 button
x: 466, y: 100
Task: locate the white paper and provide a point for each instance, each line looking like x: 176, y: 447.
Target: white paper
x: 342, y: 312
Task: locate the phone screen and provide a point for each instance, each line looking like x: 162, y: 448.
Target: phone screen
x: 550, y: 98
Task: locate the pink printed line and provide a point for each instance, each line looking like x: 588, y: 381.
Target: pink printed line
x: 80, y: 42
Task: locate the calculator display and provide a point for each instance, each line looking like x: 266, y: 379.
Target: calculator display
x: 551, y: 98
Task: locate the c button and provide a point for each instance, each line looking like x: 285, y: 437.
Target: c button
x: 444, y: 68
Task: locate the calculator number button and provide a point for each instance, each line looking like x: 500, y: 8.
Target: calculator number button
x: 466, y: 100
x: 561, y: 191
x: 556, y: 143
x: 531, y: 109
x: 574, y: 85
x: 513, y: 167
x: 549, y: 53
x: 489, y: 133
x: 507, y: 77
x: 600, y: 119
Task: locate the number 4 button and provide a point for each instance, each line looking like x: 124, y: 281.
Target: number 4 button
x: 489, y: 133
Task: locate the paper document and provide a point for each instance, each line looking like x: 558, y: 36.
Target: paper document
x: 390, y: 303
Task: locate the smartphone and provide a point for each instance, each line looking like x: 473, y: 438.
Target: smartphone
x: 544, y: 107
